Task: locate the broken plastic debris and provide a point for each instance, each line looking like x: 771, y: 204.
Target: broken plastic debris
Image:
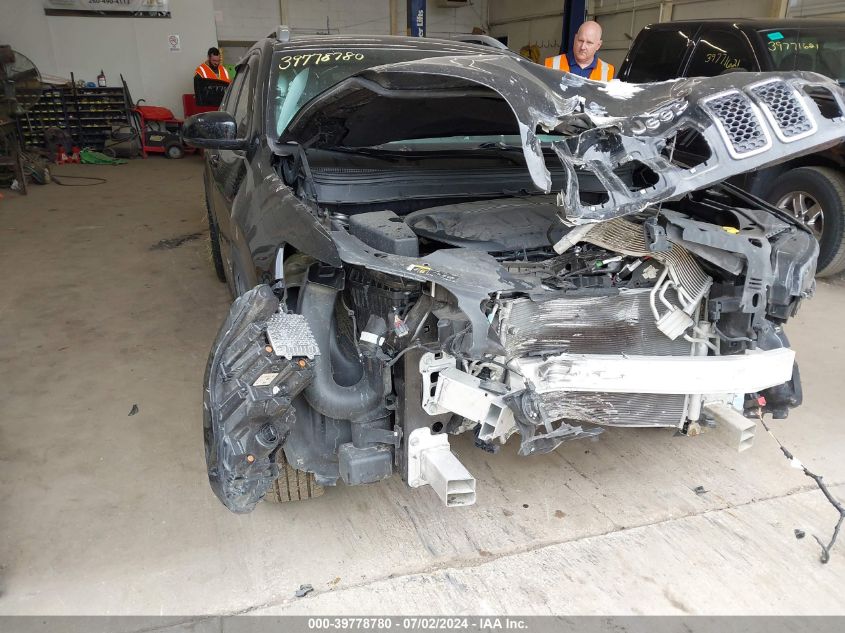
x: 134, y: 409
x: 699, y: 490
x: 303, y: 590
x: 799, y: 534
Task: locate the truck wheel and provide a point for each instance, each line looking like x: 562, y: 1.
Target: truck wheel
x: 214, y: 238
x: 174, y: 150
x: 815, y: 196
x: 292, y: 484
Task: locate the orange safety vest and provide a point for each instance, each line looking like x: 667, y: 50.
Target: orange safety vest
x: 204, y: 71
x: 602, y: 72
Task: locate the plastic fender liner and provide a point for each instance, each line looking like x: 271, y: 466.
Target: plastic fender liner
x: 247, y: 399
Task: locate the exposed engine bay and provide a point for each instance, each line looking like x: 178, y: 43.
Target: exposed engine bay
x: 495, y: 318
x: 407, y: 295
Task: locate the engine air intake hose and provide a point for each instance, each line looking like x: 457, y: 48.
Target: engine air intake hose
x: 324, y: 394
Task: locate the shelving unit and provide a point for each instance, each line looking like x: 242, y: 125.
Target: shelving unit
x: 87, y: 114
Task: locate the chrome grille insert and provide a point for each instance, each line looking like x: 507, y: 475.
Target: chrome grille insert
x: 785, y: 110
x: 739, y: 123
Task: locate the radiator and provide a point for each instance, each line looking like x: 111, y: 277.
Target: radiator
x: 587, y: 325
x: 619, y: 324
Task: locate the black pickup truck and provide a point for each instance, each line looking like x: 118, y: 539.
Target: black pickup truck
x: 812, y: 188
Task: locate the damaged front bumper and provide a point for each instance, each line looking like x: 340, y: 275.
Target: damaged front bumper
x: 753, y: 371
x: 546, y: 390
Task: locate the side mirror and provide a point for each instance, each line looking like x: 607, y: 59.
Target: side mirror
x: 212, y: 130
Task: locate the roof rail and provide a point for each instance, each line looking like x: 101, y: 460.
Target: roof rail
x: 282, y: 33
x: 477, y: 38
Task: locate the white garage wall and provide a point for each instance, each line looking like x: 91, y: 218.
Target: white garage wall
x: 136, y: 47
x: 620, y: 25
x: 240, y: 21
x: 724, y: 9
x: 834, y: 9
x: 537, y: 23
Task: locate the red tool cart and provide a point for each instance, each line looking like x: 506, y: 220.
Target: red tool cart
x: 159, y: 129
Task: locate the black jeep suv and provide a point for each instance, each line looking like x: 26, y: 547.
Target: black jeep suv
x: 426, y: 238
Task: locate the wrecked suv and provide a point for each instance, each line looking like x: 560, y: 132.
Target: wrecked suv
x: 428, y: 238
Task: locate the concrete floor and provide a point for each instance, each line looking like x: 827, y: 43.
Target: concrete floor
x: 106, y: 513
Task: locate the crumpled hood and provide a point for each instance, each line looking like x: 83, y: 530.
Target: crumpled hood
x: 748, y: 120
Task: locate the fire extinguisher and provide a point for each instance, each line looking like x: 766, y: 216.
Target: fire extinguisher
x: 101, y: 79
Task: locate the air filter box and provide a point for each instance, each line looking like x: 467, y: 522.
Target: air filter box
x: 385, y: 231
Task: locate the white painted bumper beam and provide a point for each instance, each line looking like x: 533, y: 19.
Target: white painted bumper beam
x: 746, y: 373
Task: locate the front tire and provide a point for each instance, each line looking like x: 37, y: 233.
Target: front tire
x: 292, y: 484
x: 815, y: 196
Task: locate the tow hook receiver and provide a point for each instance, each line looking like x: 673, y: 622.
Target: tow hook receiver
x: 431, y: 461
x: 734, y: 428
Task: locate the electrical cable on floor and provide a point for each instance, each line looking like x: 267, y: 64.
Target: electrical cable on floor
x: 37, y: 165
x: 796, y: 463
x: 58, y: 180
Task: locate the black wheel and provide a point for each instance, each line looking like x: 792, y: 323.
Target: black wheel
x: 815, y: 196
x: 174, y: 150
x: 292, y: 484
x: 214, y: 239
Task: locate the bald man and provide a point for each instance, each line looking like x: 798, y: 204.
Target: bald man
x: 582, y: 61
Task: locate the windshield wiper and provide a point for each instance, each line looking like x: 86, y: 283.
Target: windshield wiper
x: 387, y: 155
x: 396, y: 155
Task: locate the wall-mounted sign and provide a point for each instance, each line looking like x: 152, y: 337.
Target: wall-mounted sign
x: 175, y: 42
x: 416, y: 18
x: 109, y: 8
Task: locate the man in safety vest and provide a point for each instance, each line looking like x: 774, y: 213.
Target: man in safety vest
x: 211, y: 68
x: 211, y: 79
x: 582, y: 61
